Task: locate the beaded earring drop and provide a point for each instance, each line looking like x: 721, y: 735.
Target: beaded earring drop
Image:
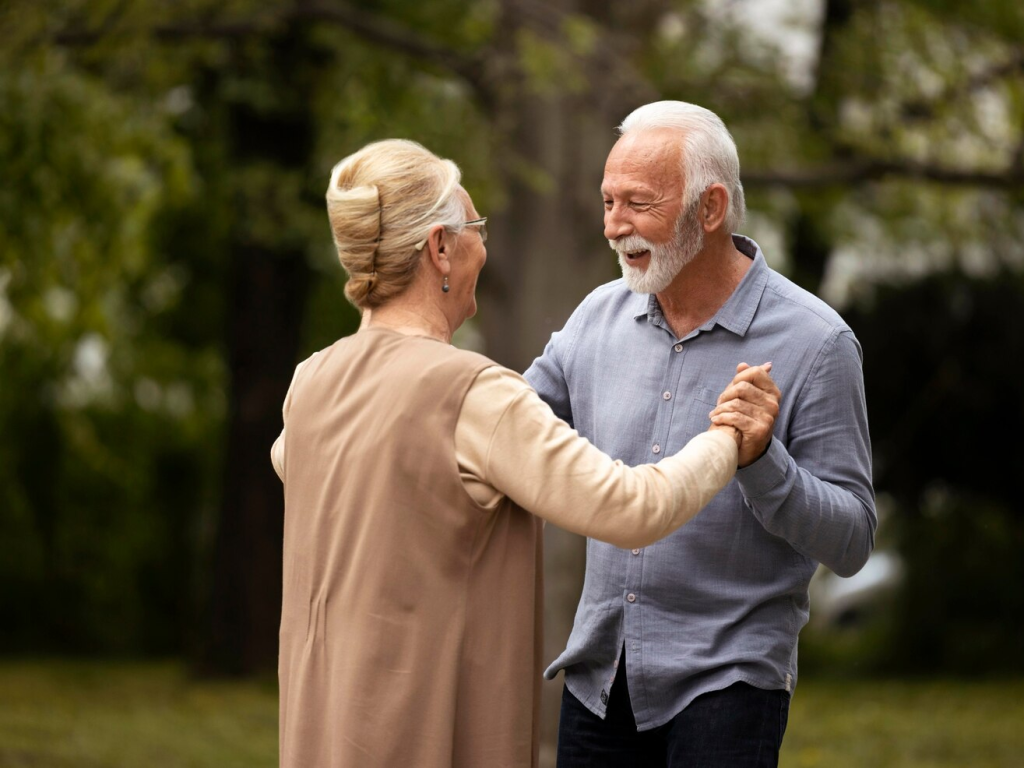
x: 444, y: 287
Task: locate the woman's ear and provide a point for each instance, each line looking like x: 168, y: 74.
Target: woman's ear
x: 437, y: 249
x: 716, y: 205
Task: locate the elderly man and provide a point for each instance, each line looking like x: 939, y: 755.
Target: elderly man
x: 684, y: 653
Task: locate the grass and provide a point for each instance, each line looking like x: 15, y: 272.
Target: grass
x: 58, y: 714
x: 903, y: 724
x: 123, y: 715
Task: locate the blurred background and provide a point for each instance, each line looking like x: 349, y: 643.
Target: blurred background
x: 165, y: 261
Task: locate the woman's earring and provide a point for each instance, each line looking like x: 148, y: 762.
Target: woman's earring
x: 445, y: 286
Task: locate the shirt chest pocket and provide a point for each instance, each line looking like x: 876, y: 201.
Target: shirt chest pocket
x: 692, y: 418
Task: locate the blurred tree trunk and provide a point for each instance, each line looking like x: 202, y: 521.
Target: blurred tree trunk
x: 267, y: 298
x: 810, y: 245
x: 546, y: 258
x: 547, y: 250
x: 268, y: 284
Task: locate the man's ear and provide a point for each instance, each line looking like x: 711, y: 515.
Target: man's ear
x: 714, y: 209
x: 437, y: 249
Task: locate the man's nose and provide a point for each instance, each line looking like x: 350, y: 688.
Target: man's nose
x: 615, y: 225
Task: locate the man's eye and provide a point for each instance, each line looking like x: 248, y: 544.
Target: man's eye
x: 607, y: 203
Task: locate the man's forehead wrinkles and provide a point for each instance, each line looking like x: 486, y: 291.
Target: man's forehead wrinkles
x: 629, y: 191
x: 653, y: 172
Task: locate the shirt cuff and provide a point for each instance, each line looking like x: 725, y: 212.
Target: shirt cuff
x: 766, y: 473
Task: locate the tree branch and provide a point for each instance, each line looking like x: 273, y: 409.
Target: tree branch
x: 858, y: 173
x: 368, y: 26
x: 392, y: 35
x: 925, y: 108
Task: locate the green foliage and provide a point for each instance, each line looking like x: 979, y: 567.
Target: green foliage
x: 102, y: 486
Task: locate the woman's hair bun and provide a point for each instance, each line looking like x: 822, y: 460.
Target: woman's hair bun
x: 382, y: 202
x: 354, y: 214
x: 359, y: 287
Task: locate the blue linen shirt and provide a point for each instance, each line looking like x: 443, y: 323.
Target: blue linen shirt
x: 722, y: 599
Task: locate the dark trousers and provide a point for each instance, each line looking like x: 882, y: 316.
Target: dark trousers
x: 738, y: 727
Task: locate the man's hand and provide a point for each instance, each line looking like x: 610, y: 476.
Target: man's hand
x: 750, y: 404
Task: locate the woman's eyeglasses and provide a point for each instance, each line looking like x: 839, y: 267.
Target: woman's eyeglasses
x: 482, y: 223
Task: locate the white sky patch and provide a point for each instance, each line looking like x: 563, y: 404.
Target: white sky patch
x: 179, y: 100
x: 90, y: 378
x: 766, y: 232
x: 793, y: 26
x: 178, y: 399
x: 147, y: 394
x: 60, y: 303
x: 91, y: 354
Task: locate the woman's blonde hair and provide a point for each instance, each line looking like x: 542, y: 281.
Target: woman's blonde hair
x: 381, y: 203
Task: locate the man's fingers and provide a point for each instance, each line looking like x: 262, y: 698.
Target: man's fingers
x: 744, y: 366
x: 745, y: 391
x: 736, y: 405
x: 756, y: 376
x: 759, y: 376
x: 761, y: 380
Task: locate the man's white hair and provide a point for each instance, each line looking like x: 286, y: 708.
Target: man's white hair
x: 709, y: 152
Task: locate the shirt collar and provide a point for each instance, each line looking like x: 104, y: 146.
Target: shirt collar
x: 738, y: 312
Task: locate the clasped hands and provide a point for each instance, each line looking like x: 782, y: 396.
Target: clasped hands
x: 747, y: 408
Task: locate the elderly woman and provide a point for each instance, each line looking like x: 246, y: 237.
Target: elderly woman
x: 417, y: 477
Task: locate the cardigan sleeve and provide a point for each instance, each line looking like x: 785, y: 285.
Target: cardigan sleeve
x: 508, y: 442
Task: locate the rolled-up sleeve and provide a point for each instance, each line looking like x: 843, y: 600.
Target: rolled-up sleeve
x: 816, y: 491
x: 510, y: 440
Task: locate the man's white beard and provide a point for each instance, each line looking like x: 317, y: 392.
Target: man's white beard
x: 666, y: 259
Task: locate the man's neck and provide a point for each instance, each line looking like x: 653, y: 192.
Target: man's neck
x: 703, y: 286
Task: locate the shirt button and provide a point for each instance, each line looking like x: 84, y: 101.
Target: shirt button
x: 656, y: 448
x: 678, y: 347
x: 666, y: 395
x: 631, y: 597
x: 636, y: 551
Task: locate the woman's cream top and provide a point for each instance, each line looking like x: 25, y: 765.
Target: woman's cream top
x: 508, y: 442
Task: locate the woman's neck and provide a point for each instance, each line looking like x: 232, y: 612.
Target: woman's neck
x: 410, y: 320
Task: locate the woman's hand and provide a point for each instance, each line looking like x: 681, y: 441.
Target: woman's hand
x: 749, y: 405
